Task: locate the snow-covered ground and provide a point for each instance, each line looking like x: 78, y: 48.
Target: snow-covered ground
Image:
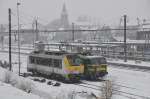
x: 9, y: 92
x: 137, y: 81
x: 133, y: 82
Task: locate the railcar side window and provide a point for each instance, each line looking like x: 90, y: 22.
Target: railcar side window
x: 43, y: 61
x: 50, y: 62
x: 40, y: 61
x: 60, y: 64
x: 57, y: 63
x: 31, y: 59
x: 46, y: 61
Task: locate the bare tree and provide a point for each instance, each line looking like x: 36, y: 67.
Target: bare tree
x: 108, y: 89
x: 71, y: 95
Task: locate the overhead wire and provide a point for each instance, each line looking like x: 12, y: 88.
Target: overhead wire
x: 27, y: 19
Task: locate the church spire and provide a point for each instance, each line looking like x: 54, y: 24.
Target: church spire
x: 64, y: 8
x: 64, y: 17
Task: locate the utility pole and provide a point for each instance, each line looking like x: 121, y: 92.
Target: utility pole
x: 33, y: 32
x: 36, y: 26
x: 18, y: 38
x: 73, y: 32
x: 125, y: 45
x: 9, y: 18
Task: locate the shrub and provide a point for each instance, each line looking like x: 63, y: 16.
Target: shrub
x: 26, y: 86
x: 7, y: 77
x: 66, y: 95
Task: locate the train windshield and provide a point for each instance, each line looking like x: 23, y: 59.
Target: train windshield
x: 96, y: 61
x: 74, y: 60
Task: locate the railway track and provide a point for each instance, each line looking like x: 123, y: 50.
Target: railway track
x: 120, y: 92
x: 131, y: 67
x: 119, y: 85
x: 88, y: 85
x: 97, y: 88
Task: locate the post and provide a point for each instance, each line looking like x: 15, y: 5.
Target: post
x: 73, y: 32
x: 125, y: 45
x: 36, y: 25
x: 10, y: 65
x: 33, y: 32
x: 18, y: 38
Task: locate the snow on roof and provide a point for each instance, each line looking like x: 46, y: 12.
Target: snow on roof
x: 25, y: 27
x: 128, y: 42
x: 118, y: 38
x: 94, y: 56
x: 146, y: 26
x: 84, y: 23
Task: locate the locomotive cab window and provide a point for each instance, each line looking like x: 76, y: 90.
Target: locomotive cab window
x: 103, y: 61
x: 74, y: 60
x: 95, y: 61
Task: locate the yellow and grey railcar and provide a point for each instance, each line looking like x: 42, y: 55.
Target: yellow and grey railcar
x: 59, y: 65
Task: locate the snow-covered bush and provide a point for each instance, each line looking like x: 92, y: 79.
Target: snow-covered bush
x: 4, y: 64
x: 7, y: 77
x: 66, y: 95
x: 16, y: 81
x: 25, y: 85
x: 75, y: 95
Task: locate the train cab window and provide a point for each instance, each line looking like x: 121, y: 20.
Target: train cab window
x: 97, y: 61
x: 103, y: 61
x: 74, y: 60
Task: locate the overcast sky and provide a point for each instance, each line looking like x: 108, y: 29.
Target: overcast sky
x: 107, y: 11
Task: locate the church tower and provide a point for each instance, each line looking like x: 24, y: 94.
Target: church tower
x: 64, y: 18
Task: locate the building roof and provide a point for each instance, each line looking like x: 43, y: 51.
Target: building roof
x: 129, y: 42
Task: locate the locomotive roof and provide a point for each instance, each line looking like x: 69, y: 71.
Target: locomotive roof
x: 52, y: 52
x: 91, y: 57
